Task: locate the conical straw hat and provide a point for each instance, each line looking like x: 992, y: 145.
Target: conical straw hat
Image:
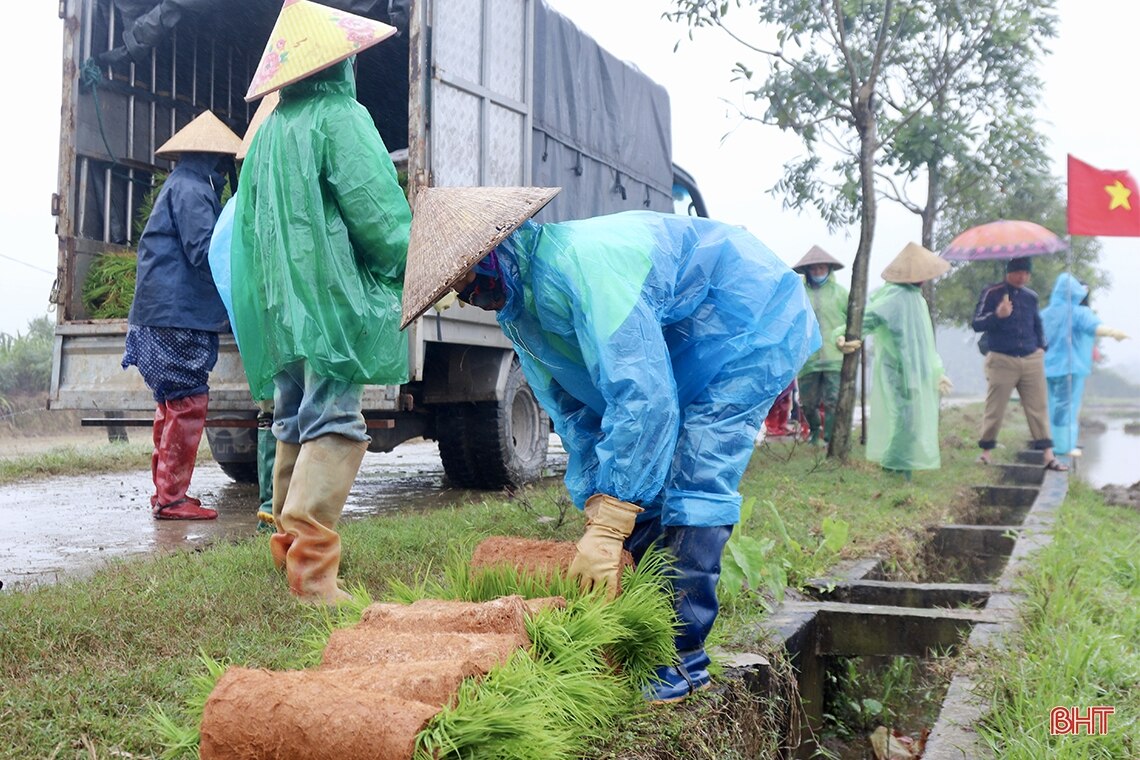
x: 817, y: 256
x: 453, y: 228
x: 206, y: 134
x: 915, y: 264
x: 309, y: 37
x: 268, y: 103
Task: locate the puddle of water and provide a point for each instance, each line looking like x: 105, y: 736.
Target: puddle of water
x: 70, y: 526
x: 1110, y: 456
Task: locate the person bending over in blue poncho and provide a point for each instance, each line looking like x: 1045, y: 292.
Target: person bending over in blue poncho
x: 656, y: 343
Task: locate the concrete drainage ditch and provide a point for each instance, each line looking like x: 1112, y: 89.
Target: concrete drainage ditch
x: 966, y: 596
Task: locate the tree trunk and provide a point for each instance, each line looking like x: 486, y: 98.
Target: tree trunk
x: 840, y: 445
x: 929, y: 212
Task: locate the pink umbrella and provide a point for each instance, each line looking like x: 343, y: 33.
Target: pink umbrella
x: 1002, y: 240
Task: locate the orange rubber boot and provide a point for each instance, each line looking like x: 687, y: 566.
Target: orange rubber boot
x: 322, y: 477
x: 285, y: 460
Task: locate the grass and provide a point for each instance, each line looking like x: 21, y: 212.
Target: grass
x: 84, y: 664
x: 72, y: 460
x: 1080, y: 640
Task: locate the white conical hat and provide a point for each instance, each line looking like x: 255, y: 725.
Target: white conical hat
x: 453, y: 228
x: 268, y: 103
x: 309, y: 37
x: 816, y: 255
x: 206, y: 134
x: 915, y: 264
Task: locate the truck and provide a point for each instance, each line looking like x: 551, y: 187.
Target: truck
x: 469, y: 92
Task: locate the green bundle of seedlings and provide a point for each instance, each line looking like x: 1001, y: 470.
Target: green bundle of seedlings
x: 635, y: 631
x: 109, y: 287
x: 585, y: 668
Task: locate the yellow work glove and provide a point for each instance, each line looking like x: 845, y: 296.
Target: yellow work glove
x: 848, y: 346
x: 445, y: 301
x: 598, y: 562
x: 945, y: 386
x: 1111, y: 332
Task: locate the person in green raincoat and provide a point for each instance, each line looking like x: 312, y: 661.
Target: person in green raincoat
x: 906, y: 375
x: 819, y: 379
x: 318, y: 253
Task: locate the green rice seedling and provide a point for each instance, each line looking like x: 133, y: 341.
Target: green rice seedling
x: 180, y: 737
x: 109, y: 287
x: 522, y: 710
x: 324, y: 620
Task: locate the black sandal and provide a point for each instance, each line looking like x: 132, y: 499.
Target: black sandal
x: 1056, y: 466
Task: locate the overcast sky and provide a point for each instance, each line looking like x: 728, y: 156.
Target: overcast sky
x: 1091, y: 108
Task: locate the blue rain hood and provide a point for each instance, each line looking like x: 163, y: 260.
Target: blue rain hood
x: 1070, y: 329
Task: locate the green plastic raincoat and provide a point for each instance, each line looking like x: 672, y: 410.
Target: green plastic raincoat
x: 321, y: 237
x: 829, y: 302
x: 902, y: 432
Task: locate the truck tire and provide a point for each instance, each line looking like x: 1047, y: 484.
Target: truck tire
x: 235, y: 451
x: 510, y: 437
x: 453, y: 431
x: 495, y: 444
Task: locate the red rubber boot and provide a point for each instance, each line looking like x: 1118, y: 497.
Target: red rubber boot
x: 181, y: 434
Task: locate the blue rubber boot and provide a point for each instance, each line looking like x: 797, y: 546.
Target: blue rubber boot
x: 695, y: 572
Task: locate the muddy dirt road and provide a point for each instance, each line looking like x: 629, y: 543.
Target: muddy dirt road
x: 68, y: 526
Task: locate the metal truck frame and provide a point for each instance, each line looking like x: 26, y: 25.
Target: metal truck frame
x: 471, y: 92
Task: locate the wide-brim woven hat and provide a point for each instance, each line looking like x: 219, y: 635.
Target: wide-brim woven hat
x: 915, y: 264
x: 453, y: 228
x: 264, y: 108
x: 309, y: 37
x: 206, y: 134
x: 816, y: 255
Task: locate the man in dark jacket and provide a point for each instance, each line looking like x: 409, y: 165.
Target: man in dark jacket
x: 176, y: 315
x: 1007, y: 314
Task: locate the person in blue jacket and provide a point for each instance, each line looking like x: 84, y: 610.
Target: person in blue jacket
x: 1071, y: 329
x: 657, y: 344
x: 176, y: 315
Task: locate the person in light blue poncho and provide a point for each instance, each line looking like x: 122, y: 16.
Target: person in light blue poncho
x: 1071, y: 329
x: 656, y: 343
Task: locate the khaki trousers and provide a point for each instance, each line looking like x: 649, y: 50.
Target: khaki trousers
x: 1027, y: 375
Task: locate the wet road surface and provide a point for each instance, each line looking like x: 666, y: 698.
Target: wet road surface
x: 69, y: 526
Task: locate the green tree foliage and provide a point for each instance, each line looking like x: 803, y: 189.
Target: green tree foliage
x: 856, y: 78
x: 1023, y: 195
x: 25, y: 360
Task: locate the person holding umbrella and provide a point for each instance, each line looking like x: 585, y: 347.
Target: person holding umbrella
x: 1013, y: 339
x: 1007, y: 314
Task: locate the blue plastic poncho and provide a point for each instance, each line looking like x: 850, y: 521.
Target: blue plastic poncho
x: 902, y: 433
x: 321, y: 238
x: 219, y: 255
x: 657, y: 343
x: 1070, y: 330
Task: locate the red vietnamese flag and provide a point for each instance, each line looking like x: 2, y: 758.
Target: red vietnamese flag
x: 1102, y: 202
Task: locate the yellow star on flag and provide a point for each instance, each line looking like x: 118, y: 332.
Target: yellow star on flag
x: 1119, y: 194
